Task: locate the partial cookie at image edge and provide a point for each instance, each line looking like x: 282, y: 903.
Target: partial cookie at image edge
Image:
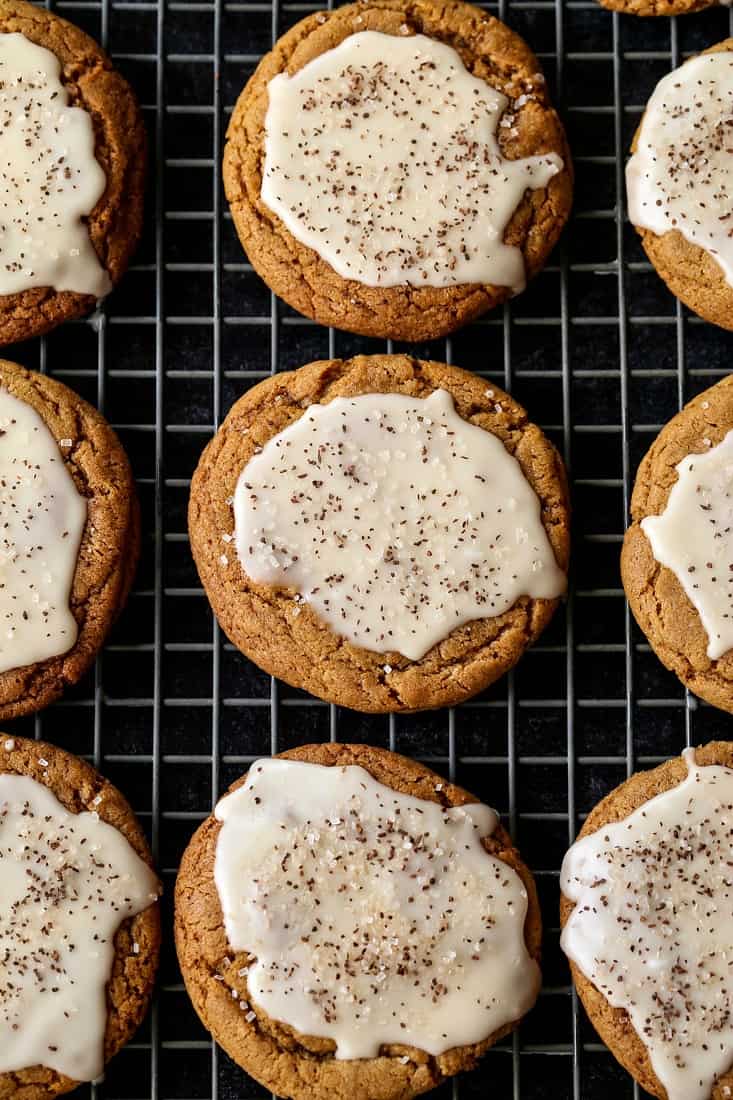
x: 289, y: 1064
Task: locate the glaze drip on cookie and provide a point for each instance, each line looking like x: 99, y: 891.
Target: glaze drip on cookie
x: 652, y: 926
x: 49, y: 177
x: 382, y: 156
x: 694, y: 538
x: 373, y: 917
x: 394, y: 519
x: 68, y: 882
x: 42, y: 518
x: 681, y: 174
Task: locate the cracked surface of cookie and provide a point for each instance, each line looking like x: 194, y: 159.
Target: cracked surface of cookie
x: 115, y: 223
x: 690, y: 272
x: 300, y: 648
x: 614, y: 1024
x: 290, y: 1064
x: 110, y: 542
x: 657, y: 599
x: 658, y: 7
x: 79, y: 787
x: 297, y: 273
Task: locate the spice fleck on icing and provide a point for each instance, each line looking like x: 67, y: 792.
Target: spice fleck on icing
x: 68, y: 882
x: 49, y: 177
x: 382, y: 155
x: 42, y: 519
x: 681, y: 175
x: 652, y: 926
x: 371, y: 916
x: 694, y: 538
x: 395, y: 519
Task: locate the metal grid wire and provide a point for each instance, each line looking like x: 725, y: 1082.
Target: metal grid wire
x: 597, y: 350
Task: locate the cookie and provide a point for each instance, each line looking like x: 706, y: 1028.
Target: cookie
x: 43, y: 790
x: 421, y: 572
x: 90, y: 188
x: 62, y: 589
x: 645, y: 888
x: 660, y: 603
x: 678, y: 180
x: 223, y: 982
x: 657, y: 7
x: 390, y: 247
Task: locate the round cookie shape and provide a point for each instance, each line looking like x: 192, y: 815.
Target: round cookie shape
x: 120, y: 148
x: 528, y: 127
x: 657, y: 599
x: 614, y: 1024
x: 286, y: 638
x: 291, y: 1064
x: 690, y: 271
x: 79, y: 787
x: 110, y: 543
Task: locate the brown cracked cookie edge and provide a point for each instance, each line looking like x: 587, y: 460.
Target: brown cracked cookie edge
x: 77, y: 785
x: 688, y: 270
x: 296, y: 272
x: 656, y: 598
x: 110, y: 545
x: 115, y: 224
x: 302, y: 650
x: 614, y: 1024
x: 293, y: 1065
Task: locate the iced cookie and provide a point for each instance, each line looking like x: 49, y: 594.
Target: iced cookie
x: 72, y: 172
x: 647, y: 901
x: 388, y: 533
x: 69, y: 537
x: 348, y: 923
x: 79, y: 923
x: 427, y: 176
x: 677, y: 557
x: 679, y: 183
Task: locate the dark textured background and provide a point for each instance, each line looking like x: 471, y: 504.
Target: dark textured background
x: 597, y: 350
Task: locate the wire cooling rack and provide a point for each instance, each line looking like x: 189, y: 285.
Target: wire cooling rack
x: 597, y: 350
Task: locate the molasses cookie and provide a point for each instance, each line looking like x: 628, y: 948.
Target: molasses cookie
x: 677, y: 556
x: 658, y: 7
x: 680, y: 183
x: 426, y: 178
x: 350, y: 924
x: 73, y: 172
x: 70, y: 537
x: 387, y: 533
x: 646, y: 914
x: 79, y: 922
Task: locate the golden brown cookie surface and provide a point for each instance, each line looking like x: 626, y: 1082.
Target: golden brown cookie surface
x: 295, y: 272
x: 657, y: 599
x: 689, y: 271
x: 115, y: 223
x: 80, y: 787
x: 110, y: 544
x: 301, y: 649
x: 657, y: 7
x: 290, y: 1064
x: 614, y: 1024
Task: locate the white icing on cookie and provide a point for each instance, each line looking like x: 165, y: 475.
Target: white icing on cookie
x: 68, y: 882
x: 652, y: 926
x: 50, y: 179
x: 681, y: 175
x: 694, y: 538
x: 42, y: 518
x: 375, y: 917
x: 382, y: 155
x: 395, y: 519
